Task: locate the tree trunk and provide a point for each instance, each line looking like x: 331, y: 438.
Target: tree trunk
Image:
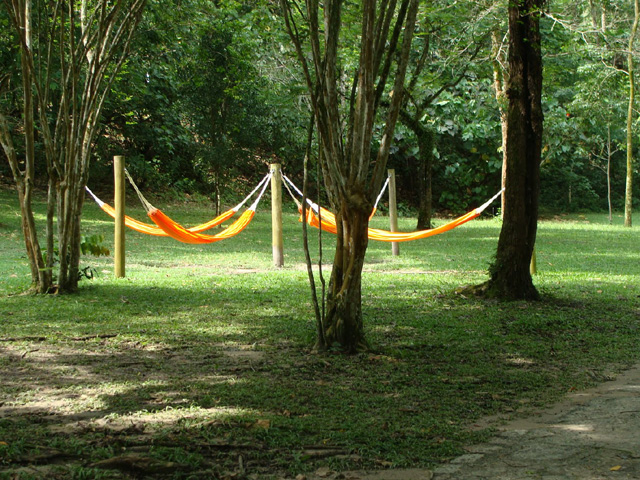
x: 41, y: 277
x: 510, y: 275
x: 608, y: 172
x: 343, y: 323
x: 425, y: 170
x: 628, y: 197
x: 499, y: 89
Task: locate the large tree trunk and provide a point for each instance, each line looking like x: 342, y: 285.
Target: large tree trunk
x: 510, y: 274
x: 343, y: 324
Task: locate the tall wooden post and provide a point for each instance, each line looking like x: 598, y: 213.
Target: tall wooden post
x: 118, y: 177
x: 393, y: 211
x: 276, y: 215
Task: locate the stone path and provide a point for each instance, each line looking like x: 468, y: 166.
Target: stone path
x: 591, y: 435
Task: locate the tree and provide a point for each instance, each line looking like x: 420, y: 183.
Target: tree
x: 353, y: 172
x: 445, y: 55
x: 628, y: 197
x: 205, y: 98
x: 510, y: 276
x: 70, y: 54
x: 602, y: 52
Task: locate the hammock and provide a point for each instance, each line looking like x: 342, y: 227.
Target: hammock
x: 152, y: 229
x: 176, y: 231
x: 328, y: 223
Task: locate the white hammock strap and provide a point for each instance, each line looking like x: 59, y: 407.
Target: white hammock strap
x: 384, y: 187
x: 147, y: 205
x: 482, y: 207
x: 265, y: 183
x: 314, y: 206
x: 260, y: 184
x: 95, y: 199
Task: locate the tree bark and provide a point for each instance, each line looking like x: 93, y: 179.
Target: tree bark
x: 628, y: 196
x: 344, y: 323
x: 41, y: 276
x: 500, y: 92
x: 425, y: 169
x: 510, y: 277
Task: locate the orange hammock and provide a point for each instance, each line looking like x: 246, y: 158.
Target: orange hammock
x: 182, y: 234
x: 178, y: 232
x: 329, y: 223
x: 152, y: 229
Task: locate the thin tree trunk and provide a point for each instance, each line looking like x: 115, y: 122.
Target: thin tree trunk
x: 499, y: 88
x: 425, y: 184
x: 321, y: 343
x: 628, y: 197
x: 424, y: 168
x: 41, y: 277
x: 609, y: 172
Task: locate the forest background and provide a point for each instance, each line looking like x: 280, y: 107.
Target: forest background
x: 212, y: 92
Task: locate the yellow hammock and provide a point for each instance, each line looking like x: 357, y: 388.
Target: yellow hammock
x: 329, y: 223
x: 184, y: 235
x: 150, y: 229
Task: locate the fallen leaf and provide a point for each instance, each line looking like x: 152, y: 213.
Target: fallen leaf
x: 616, y: 468
x: 265, y: 424
x: 323, y: 472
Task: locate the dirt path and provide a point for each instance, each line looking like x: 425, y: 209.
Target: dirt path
x: 591, y: 435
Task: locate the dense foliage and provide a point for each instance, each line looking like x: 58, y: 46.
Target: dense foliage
x: 211, y: 94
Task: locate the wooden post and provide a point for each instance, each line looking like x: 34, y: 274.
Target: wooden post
x: 276, y: 215
x: 118, y: 177
x: 393, y: 211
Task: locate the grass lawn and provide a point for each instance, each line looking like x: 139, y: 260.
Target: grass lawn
x: 198, y: 363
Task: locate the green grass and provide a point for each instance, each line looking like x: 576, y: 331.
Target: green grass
x: 201, y: 355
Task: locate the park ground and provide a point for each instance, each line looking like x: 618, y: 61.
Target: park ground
x: 199, y: 365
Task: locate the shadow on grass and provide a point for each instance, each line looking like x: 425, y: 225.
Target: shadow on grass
x: 228, y: 373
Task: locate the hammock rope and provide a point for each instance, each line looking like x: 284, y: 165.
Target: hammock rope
x: 289, y: 184
x: 152, y: 229
x: 328, y: 222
